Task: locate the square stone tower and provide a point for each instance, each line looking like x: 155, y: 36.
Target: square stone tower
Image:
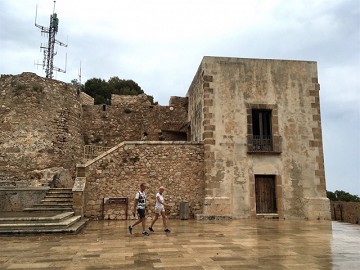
x: 260, y: 123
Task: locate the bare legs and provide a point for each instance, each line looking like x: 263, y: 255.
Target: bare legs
x: 142, y: 221
x: 155, y: 219
x: 163, y: 219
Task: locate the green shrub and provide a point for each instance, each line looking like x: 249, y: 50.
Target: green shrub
x: 340, y: 195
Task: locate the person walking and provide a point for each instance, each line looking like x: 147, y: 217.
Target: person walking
x: 160, y: 210
x: 140, y: 205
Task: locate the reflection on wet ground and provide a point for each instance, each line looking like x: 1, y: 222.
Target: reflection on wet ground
x: 210, y: 245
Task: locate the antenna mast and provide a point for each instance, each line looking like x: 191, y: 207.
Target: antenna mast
x: 49, y: 48
x: 80, y: 74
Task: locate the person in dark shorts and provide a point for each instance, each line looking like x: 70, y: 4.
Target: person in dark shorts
x: 140, y: 205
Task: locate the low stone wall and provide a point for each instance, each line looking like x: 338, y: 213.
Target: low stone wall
x: 179, y: 166
x: 346, y: 211
x: 16, y: 199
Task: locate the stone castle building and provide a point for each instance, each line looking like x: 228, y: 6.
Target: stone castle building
x: 245, y: 142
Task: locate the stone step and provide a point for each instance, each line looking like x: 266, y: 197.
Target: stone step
x: 61, y: 189
x: 267, y: 216
x: 55, y: 193
x: 4, y: 183
x: 55, y: 224
x: 54, y: 199
x: 47, y: 208
x: 54, y: 204
x: 59, y: 195
x: 40, y: 217
x: 73, y: 229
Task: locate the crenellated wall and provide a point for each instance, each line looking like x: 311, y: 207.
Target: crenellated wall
x: 129, y: 116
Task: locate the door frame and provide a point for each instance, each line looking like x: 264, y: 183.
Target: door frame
x: 265, y: 194
x: 278, y: 194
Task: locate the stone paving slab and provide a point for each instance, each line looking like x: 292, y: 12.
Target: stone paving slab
x: 200, y: 245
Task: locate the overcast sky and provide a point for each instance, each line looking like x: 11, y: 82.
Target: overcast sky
x: 160, y: 44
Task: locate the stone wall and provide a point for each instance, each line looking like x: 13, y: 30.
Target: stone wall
x: 346, y: 211
x: 45, y: 123
x: 85, y: 99
x: 40, y: 128
x: 44, y: 126
x: 16, y: 199
x: 118, y: 173
x: 131, y: 100
x: 221, y: 99
x: 196, y: 113
x: 128, y: 117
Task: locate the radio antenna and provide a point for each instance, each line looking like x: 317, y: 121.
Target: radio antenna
x: 49, y: 48
x: 80, y: 74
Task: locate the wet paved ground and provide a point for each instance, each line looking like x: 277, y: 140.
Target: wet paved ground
x: 238, y: 244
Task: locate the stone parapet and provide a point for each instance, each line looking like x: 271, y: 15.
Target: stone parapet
x: 16, y: 199
x: 130, y: 100
x: 346, y: 211
x: 78, y: 195
x: 178, y: 101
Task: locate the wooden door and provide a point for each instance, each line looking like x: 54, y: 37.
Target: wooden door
x: 265, y: 194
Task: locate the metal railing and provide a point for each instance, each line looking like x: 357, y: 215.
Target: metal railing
x: 92, y: 151
x: 267, y: 144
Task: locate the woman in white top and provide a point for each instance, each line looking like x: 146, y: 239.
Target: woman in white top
x: 160, y: 210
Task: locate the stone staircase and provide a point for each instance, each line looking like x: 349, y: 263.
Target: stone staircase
x: 53, y: 215
x: 56, y: 199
